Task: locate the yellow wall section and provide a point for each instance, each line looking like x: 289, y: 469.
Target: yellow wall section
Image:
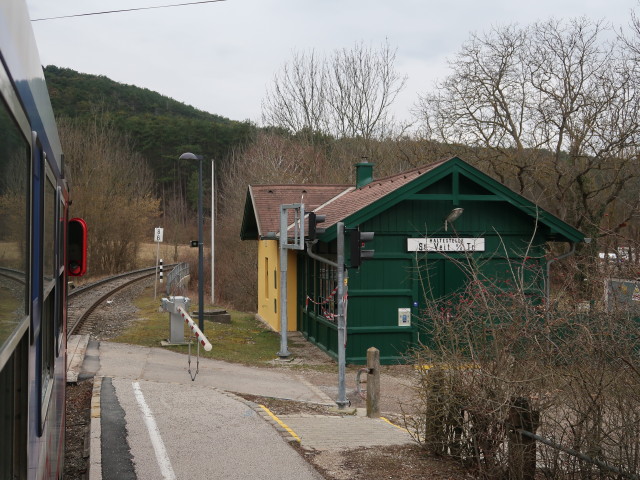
x: 269, y: 285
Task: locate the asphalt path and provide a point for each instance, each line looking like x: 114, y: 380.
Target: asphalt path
x: 159, y: 424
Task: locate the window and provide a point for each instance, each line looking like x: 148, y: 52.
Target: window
x: 49, y: 317
x: 266, y: 277
x: 14, y: 226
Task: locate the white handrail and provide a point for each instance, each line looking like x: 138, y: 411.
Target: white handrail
x: 194, y: 328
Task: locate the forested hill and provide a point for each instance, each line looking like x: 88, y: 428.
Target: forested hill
x: 161, y: 128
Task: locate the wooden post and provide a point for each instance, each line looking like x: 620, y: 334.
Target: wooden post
x: 373, y: 383
x: 522, y: 449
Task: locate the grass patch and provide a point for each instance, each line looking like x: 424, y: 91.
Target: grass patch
x: 244, y: 340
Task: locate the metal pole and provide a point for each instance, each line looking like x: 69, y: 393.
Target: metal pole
x: 284, y: 350
x: 200, y: 253
x: 155, y: 288
x: 213, y: 223
x: 342, y: 401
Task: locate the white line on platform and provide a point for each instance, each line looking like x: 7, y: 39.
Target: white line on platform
x: 156, y: 440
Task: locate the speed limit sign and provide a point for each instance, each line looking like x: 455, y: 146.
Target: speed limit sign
x: 157, y: 237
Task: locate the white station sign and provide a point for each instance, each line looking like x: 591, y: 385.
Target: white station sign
x: 431, y: 244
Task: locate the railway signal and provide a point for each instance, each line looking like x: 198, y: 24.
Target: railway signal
x: 77, y: 247
x: 358, y: 241
x: 314, y: 220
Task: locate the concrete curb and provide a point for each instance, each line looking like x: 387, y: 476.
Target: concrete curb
x: 287, y: 433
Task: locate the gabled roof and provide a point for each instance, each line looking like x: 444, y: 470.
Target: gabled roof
x: 376, y: 192
x: 356, y: 205
x: 262, y: 206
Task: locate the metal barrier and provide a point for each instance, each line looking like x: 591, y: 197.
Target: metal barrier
x: 194, y: 328
x: 176, y: 276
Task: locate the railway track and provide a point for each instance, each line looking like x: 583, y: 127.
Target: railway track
x: 82, y: 301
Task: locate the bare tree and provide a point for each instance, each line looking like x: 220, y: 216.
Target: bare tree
x: 298, y: 99
x: 553, y: 108
x: 345, y: 95
x: 112, y: 189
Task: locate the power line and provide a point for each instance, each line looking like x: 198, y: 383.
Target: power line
x: 126, y: 10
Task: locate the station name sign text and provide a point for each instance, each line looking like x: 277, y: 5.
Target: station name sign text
x: 445, y: 244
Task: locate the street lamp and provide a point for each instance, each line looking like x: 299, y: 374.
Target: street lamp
x: 191, y: 156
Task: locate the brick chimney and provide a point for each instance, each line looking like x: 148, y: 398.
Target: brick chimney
x: 364, y: 173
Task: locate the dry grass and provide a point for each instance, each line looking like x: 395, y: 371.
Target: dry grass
x: 244, y: 340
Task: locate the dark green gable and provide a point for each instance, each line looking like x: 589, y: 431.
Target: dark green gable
x: 514, y: 230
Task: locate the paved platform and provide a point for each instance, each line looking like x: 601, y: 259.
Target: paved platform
x: 330, y: 432
x: 146, y: 395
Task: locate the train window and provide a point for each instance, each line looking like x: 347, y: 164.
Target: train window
x: 49, y: 318
x: 14, y: 226
x: 50, y: 224
x: 60, y: 286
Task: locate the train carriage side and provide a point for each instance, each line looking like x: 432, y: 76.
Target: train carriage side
x: 33, y: 229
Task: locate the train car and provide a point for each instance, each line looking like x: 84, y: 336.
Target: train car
x: 34, y: 199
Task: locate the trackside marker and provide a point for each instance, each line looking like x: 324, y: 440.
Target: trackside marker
x: 156, y: 440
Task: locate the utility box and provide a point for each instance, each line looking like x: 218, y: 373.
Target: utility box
x: 176, y: 322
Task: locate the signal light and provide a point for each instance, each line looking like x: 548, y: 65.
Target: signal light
x: 76, y: 247
x: 314, y: 231
x: 358, y: 240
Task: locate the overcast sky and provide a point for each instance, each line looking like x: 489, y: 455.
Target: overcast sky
x: 220, y: 57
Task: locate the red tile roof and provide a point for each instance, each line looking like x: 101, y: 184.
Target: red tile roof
x: 336, y: 202
x: 268, y: 198
x: 341, y: 207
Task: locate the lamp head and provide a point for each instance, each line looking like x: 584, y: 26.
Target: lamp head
x: 190, y: 156
x: 452, y: 217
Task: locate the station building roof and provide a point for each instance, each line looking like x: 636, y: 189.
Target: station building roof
x: 354, y: 205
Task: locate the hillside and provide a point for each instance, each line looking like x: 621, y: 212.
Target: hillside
x: 161, y: 128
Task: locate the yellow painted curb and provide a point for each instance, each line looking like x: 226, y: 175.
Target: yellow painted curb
x: 281, y: 423
x: 391, y: 423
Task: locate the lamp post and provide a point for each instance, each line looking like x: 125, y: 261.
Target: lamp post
x: 191, y: 156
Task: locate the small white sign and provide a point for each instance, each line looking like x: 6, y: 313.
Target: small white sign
x: 445, y: 244
x: 157, y: 236
x: 404, y: 317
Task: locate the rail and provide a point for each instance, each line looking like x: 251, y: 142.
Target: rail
x: 89, y: 286
x: 73, y: 327
x: 575, y: 453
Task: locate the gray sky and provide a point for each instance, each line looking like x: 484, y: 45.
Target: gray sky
x: 220, y: 57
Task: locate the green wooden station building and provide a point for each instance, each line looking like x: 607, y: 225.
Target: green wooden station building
x: 424, y: 220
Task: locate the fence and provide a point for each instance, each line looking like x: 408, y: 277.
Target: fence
x: 176, y: 277
x: 521, y: 439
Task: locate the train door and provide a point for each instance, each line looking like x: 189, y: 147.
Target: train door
x: 49, y: 315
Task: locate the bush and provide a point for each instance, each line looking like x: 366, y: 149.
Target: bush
x: 578, y: 371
